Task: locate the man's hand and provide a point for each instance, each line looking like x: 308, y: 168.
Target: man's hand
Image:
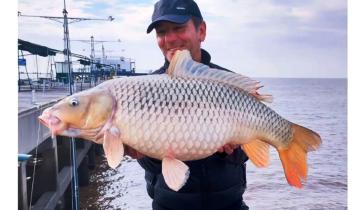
x: 228, y: 148
x: 132, y: 152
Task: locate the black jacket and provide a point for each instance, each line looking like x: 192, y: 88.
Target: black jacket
x: 216, y: 182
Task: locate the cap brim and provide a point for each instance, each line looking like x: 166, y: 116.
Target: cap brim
x: 172, y: 18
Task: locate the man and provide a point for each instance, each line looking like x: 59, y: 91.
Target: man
x: 219, y: 181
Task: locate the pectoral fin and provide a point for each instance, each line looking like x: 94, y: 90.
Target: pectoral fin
x: 258, y: 152
x: 113, y: 147
x: 175, y: 173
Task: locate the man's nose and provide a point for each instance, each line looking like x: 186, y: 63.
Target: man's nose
x: 170, y: 36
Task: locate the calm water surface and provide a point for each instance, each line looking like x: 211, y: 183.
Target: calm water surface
x: 319, y: 104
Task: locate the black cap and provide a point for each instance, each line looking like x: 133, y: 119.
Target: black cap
x: 177, y: 11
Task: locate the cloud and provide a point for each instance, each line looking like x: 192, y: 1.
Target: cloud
x: 259, y: 37
x: 269, y: 38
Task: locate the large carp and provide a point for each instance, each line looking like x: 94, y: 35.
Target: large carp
x: 187, y: 114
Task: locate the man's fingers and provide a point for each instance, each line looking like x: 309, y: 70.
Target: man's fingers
x: 228, y: 149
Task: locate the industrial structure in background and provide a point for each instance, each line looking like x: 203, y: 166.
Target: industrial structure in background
x: 84, y: 69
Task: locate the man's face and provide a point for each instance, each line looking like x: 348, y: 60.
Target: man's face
x: 171, y: 37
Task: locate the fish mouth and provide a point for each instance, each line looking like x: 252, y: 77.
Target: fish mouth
x: 43, y: 121
x: 52, y: 122
x: 48, y: 119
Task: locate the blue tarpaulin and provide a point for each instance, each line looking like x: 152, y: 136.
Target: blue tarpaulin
x: 21, y: 62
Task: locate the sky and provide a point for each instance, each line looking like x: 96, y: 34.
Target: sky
x: 257, y: 38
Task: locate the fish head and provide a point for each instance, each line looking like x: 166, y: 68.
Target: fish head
x: 79, y: 115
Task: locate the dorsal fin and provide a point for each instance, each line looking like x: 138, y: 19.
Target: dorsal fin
x: 182, y: 65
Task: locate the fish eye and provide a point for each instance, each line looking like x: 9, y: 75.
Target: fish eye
x: 74, y: 102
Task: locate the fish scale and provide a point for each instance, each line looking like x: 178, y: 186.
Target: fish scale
x: 223, y: 112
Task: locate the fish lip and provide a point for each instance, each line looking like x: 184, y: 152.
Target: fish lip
x: 49, y: 119
x: 45, y: 116
x: 43, y: 121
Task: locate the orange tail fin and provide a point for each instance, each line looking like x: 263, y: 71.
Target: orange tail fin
x: 294, y: 157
